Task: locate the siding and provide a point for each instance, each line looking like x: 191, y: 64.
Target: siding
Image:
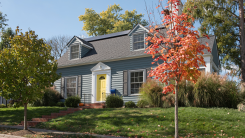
x: 84, y: 51
x: 57, y: 85
x: 3, y: 101
x: 117, y: 68
x: 138, y: 29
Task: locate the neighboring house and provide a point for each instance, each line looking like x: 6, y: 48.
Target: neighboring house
x: 93, y: 66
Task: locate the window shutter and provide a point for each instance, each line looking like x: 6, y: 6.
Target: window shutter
x: 62, y: 90
x: 147, y: 72
x: 79, y: 83
x: 125, y: 83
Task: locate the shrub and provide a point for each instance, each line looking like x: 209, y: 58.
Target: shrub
x: 151, y: 91
x: 61, y: 104
x: 168, y: 100
x: 114, y: 101
x: 142, y: 103
x: 210, y: 90
x: 72, y: 101
x: 50, y: 98
x: 2, y: 105
x: 130, y: 104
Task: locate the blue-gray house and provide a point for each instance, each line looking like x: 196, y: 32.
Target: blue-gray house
x: 93, y: 66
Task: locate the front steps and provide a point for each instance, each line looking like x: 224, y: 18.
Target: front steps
x: 46, y: 118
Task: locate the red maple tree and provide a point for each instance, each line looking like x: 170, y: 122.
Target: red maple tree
x: 179, y: 50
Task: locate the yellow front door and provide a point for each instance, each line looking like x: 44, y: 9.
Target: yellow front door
x: 101, y: 87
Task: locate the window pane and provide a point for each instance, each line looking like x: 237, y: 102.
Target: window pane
x: 74, y: 49
x: 141, y: 73
x: 71, y: 85
x: 137, y: 79
x: 132, y: 91
x: 74, y: 55
x: 141, y: 79
x: 71, y: 92
x: 132, y: 85
x: 132, y: 79
x: 132, y: 74
x: 136, y: 74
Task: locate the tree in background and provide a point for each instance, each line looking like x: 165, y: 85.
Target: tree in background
x: 110, y: 21
x: 26, y: 69
x: 2, y: 20
x: 224, y: 19
x: 5, y: 38
x: 58, y: 45
x: 178, y: 50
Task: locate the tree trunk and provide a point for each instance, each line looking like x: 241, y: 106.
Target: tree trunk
x: 25, y: 116
x: 176, y: 109
x: 242, y: 42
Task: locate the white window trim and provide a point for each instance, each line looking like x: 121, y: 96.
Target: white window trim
x: 78, y: 52
x: 129, y: 80
x: 133, y: 41
x: 65, y: 84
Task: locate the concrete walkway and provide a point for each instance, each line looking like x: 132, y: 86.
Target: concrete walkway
x: 49, y: 131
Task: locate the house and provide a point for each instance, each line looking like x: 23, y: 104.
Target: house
x: 93, y: 66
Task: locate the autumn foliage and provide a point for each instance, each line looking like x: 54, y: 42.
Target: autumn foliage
x: 178, y: 48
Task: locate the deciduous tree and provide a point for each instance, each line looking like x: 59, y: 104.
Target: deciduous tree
x: 110, y: 21
x: 26, y: 69
x: 225, y: 19
x: 5, y: 38
x: 179, y: 51
x: 58, y: 45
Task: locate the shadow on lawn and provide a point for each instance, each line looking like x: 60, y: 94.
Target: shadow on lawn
x: 13, y: 116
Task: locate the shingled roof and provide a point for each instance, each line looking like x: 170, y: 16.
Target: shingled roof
x: 111, y: 47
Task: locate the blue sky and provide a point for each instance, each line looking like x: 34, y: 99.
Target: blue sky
x: 60, y: 17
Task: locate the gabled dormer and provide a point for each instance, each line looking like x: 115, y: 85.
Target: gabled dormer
x: 137, y: 38
x: 78, y: 48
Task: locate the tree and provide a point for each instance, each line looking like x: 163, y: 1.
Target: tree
x: 58, y: 45
x: 2, y: 20
x: 110, y: 21
x: 224, y: 19
x: 5, y: 41
x: 26, y: 69
x: 179, y: 51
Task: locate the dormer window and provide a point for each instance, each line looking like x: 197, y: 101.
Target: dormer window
x: 139, y: 41
x: 74, y: 52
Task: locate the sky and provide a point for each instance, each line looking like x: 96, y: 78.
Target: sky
x: 49, y: 18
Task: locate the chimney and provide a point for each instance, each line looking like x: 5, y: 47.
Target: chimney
x: 180, y: 7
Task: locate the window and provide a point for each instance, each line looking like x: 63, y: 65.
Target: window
x: 74, y: 52
x: 71, y: 87
x: 136, y: 80
x: 138, y: 41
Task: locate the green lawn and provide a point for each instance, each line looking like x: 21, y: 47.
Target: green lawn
x: 153, y: 122
x: 13, y: 116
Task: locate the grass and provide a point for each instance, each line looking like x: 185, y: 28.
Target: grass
x: 14, y: 116
x: 153, y: 122
x: 44, y: 135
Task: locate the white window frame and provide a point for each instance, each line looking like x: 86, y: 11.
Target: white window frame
x: 129, y: 79
x: 138, y: 41
x: 66, y: 84
x: 74, y: 52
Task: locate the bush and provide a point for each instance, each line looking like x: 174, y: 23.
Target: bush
x: 210, y: 90
x: 2, y: 105
x: 142, y: 103
x: 60, y: 104
x: 151, y: 91
x: 114, y: 101
x: 72, y: 101
x: 50, y: 98
x: 130, y: 104
x: 168, y: 100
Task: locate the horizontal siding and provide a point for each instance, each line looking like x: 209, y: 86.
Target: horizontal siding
x: 3, y: 101
x: 86, y: 88
x: 57, y: 85
x: 117, y: 68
